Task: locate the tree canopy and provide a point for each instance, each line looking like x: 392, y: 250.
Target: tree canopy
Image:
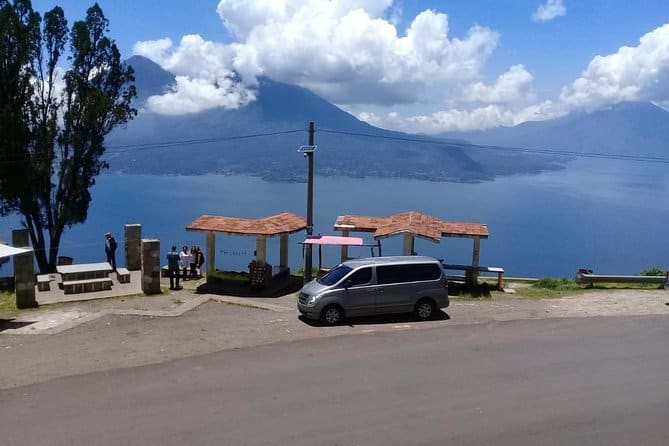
x: 53, y: 120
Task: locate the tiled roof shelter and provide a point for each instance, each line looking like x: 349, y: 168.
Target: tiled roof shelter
x: 275, y: 225
x: 412, y: 224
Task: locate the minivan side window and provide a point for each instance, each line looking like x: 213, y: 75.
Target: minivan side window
x: 361, y: 277
x: 414, y: 272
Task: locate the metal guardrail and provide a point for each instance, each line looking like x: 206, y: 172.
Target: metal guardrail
x: 590, y: 278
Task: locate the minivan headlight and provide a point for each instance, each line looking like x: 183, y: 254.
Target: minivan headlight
x: 312, y: 300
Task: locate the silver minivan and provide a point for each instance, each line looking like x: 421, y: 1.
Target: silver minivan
x: 376, y: 285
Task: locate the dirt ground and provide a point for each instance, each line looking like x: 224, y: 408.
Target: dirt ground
x: 82, y: 337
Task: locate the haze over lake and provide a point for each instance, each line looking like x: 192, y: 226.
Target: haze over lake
x: 607, y: 215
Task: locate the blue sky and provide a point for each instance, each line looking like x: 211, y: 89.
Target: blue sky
x: 470, y: 64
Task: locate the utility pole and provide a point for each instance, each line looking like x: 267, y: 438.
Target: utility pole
x: 310, y: 203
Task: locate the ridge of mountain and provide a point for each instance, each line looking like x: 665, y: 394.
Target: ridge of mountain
x: 629, y: 128
x: 175, y: 144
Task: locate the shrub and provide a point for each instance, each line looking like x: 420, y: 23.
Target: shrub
x: 548, y: 283
x: 652, y: 272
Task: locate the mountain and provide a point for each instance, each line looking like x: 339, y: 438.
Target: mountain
x: 163, y: 144
x: 629, y: 128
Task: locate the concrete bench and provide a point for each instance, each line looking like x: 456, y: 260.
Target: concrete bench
x: 87, y: 286
x: 43, y: 282
x: 123, y: 275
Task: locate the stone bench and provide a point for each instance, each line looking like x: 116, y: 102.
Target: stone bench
x: 43, y: 282
x: 87, y: 286
x: 122, y: 275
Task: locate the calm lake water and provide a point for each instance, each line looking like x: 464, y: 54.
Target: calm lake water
x: 610, y: 216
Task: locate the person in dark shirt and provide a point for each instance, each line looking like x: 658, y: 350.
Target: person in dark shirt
x: 173, y: 268
x: 110, y: 250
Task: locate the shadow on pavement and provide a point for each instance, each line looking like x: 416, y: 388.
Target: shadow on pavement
x: 11, y: 324
x: 376, y: 320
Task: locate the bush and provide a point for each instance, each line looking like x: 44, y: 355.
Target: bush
x: 652, y: 272
x: 548, y: 283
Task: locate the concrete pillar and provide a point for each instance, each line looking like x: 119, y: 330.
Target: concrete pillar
x: 150, y: 266
x: 283, y: 251
x: 475, y: 260
x: 344, y: 248
x: 261, y: 249
x: 24, y: 271
x: 408, y: 245
x: 133, y: 247
x: 211, y: 252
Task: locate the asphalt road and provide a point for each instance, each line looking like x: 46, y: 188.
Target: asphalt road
x: 543, y: 382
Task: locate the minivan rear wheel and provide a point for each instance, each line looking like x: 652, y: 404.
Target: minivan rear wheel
x: 332, y: 315
x: 425, y: 309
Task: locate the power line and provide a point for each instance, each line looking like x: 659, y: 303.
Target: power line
x: 190, y: 142
x: 165, y: 144
x: 566, y: 153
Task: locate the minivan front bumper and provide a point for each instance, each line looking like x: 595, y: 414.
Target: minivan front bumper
x: 310, y: 312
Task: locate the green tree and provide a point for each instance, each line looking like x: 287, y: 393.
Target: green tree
x: 53, y: 122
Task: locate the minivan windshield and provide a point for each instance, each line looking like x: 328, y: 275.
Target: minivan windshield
x: 334, y: 275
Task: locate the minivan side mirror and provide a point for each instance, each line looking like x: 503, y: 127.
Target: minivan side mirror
x: 348, y: 283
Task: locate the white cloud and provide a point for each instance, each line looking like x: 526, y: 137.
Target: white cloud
x: 510, y: 87
x: 196, y: 95
x: 454, y: 120
x: 549, y: 10
x: 155, y: 50
x: 348, y: 51
x: 639, y: 73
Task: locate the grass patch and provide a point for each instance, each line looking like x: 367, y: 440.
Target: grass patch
x: 8, y: 303
x: 549, y: 288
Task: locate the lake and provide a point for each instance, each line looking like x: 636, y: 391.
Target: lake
x: 610, y: 216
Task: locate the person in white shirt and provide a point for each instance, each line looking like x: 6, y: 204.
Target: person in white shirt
x: 184, y: 261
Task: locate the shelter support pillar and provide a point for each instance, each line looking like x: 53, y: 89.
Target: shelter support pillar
x: 475, y: 260
x: 150, y: 266
x: 261, y: 249
x: 283, y: 251
x: 344, y: 248
x: 211, y: 251
x: 133, y: 247
x: 24, y: 271
x: 408, y: 245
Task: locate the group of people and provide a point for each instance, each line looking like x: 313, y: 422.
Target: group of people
x: 183, y: 261
x: 186, y: 261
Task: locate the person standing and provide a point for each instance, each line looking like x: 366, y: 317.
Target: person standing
x: 184, y: 260
x: 110, y: 250
x: 173, y: 268
x: 192, y: 260
x: 199, y: 259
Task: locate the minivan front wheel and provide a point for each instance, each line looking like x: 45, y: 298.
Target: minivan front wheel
x: 424, y: 310
x: 332, y: 315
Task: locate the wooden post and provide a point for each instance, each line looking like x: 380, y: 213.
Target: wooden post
x: 283, y: 251
x: 344, y: 248
x: 475, y: 260
x: 211, y: 252
x: 408, y: 245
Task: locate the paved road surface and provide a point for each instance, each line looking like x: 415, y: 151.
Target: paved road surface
x: 544, y: 382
